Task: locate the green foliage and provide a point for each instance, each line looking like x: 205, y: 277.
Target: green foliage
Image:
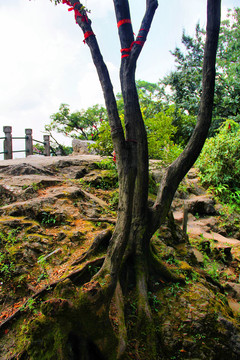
x: 154, y: 301
x: 82, y: 124
x: 106, y: 164
x: 63, y: 150
x: 48, y: 218
x: 7, y: 255
x: 159, y: 133
x: 158, y: 122
x: 103, y: 143
x: 185, y: 82
x: 56, y: 148
x: 38, y: 149
x: 211, y: 266
x: 219, y: 162
x: 114, y: 199
x: 30, y: 305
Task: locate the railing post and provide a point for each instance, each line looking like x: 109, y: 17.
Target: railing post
x: 28, y: 142
x: 46, y: 140
x: 7, y: 145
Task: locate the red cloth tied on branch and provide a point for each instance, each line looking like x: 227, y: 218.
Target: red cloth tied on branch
x: 128, y: 50
x: 83, y: 17
x: 76, y: 12
x: 73, y: 7
x: 87, y: 34
x: 66, y: 2
x: 123, y: 21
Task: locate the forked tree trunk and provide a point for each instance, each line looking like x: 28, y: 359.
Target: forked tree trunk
x: 129, y: 248
x: 129, y: 254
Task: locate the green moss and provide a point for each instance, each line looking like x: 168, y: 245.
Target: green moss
x: 65, y: 290
x: 188, y: 321
x: 45, y: 338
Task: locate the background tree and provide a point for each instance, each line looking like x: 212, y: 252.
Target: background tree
x: 158, y: 119
x: 185, y: 81
x: 82, y: 124
x: 130, y: 258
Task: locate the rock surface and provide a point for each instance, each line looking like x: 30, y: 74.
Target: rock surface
x: 54, y: 209
x: 81, y: 147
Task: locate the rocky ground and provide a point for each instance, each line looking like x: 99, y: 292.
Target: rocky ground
x: 52, y: 209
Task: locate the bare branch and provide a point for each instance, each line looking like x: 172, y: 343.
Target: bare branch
x: 151, y: 6
x: 90, y: 39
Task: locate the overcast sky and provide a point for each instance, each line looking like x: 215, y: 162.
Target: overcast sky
x: 44, y: 62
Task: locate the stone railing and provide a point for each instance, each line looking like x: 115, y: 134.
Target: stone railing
x: 29, y: 148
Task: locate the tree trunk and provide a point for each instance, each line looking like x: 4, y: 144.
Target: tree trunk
x: 130, y: 259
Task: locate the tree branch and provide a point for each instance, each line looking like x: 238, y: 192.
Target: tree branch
x: 90, y: 39
x: 151, y: 6
x: 179, y: 168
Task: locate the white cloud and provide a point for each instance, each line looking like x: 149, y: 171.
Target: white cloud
x: 89, y: 88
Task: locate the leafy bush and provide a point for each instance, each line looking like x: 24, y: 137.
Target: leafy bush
x: 103, y: 144
x: 219, y: 163
x: 159, y: 132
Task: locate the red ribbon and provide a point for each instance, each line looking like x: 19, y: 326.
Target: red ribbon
x: 83, y: 17
x: 76, y: 12
x: 66, y: 2
x: 114, y: 156
x: 87, y: 34
x: 123, y: 21
x: 128, y: 50
x: 73, y: 7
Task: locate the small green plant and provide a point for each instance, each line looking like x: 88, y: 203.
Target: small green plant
x: 153, y: 301
x: 211, y: 267
x: 183, y: 188
x: 43, y: 264
x: 34, y: 186
x: 48, y: 218
x: 175, y: 288
x: 172, y: 260
x: 7, y: 254
x: 198, y: 337
x: 93, y: 269
x: 30, y: 305
x: 106, y: 164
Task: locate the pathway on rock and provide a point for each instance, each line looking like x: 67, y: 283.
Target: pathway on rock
x: 203, y: 225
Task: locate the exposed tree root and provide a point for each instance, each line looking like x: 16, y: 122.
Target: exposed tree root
x: 101, y: 240
x: 100, y: 202
x: 210, y: 280
x: 78, y: 277
x: 118, y: 301
x: 144, y: 326
x: 107, y: 220
x: 162, y: 269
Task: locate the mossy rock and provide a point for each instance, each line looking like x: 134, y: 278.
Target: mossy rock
x: 194, y: 323
x: 104, y: 179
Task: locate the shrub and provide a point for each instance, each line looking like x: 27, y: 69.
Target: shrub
x: 219, y: 162
x: 159, y: 132
x: 103, y: 144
